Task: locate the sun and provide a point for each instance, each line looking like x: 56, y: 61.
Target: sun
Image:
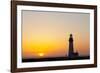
x: 41, y: 54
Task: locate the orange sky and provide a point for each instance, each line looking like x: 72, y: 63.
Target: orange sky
x: 46, y: 34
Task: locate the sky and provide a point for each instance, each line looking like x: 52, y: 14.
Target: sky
x: 46, y: 34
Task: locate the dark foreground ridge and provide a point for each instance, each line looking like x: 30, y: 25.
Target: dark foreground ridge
x: 55, y: 59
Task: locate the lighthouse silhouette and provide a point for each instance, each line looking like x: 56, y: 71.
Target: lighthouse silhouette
x: 71, y: 53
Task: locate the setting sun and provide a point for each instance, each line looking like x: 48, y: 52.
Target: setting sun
x: 41, y: 54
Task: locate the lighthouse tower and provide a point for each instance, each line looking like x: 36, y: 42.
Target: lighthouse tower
x: 71, y: 49
x: 71, y: 53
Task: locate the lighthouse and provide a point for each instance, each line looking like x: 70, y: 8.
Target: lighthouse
x: 71, y: 53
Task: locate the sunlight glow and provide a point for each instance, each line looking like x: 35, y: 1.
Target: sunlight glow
x: 41, y: 54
